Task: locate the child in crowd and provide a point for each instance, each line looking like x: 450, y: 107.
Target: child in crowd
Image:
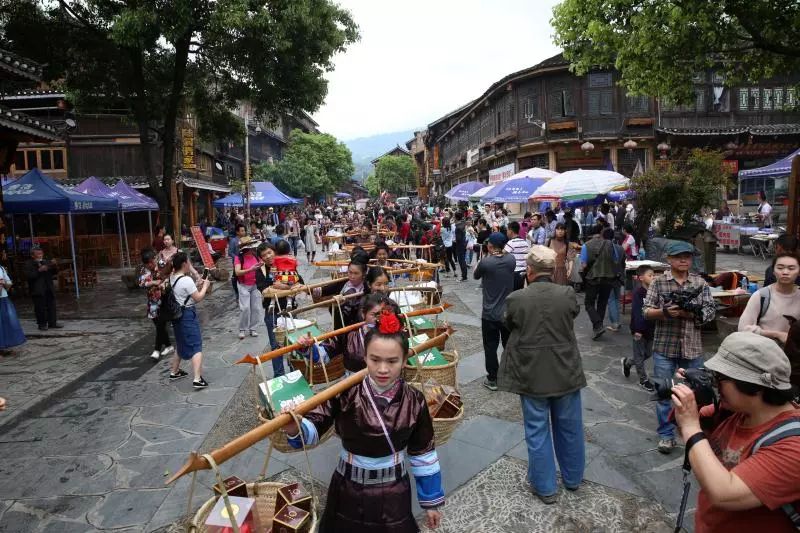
x: 285, y: 264
x: 642, y: 330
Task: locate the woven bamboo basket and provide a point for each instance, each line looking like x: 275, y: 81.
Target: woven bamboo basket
x: 443, y: 428
x: 334, y: 369
x: 281, y: 443
x: 442, y: 374
x: 265, y: 493
x: 339, y: 255
x: 433, y: 332
x: 426, y: 274
x: 335, y: 274
x: 280, y: 332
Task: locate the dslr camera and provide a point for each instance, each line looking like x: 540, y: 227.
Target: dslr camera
x: 697, y: 379
x: 684, y: 299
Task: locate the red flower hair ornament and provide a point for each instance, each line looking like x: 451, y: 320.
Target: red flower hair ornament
x: 388, y: 323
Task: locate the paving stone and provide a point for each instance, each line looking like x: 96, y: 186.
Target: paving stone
x: 324, y: 459
x: 490, y: 433
x: 666, y: 486
x: 16, y: 521
x: 189, y: 444
x: 622, y: 439
x: 597, y: 409
x: 127, y: 508
x: 39, y: 477
x: 479, y: 400
x: 197, y: 420
x: 156, y: 434
x: 471, y: 368
x: 61, y: 526
x: 62, y: 507
x: 497, y: 499
x: 607, y: 472
x: 146, y: 472
x: 594, y: 363
x: 460, y: 461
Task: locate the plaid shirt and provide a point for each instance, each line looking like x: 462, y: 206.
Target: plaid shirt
x: 679, y: 337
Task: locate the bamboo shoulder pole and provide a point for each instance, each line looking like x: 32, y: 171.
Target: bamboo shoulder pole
x: 241, y: 443
x: 324, y: 303
x: 249, y: 359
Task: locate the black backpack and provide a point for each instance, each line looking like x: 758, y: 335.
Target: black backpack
x: 170, y: 308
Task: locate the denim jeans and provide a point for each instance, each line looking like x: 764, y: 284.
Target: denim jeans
x: 277, y: 363
x: 613, y: 305
x: 565, y: 416
x: 665, y: 367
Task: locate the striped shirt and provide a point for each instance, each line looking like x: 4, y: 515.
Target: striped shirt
x: 519, y: 248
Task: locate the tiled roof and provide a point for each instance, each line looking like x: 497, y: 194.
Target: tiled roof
x: 768, y: 129
x: 20, y: 66
x: 32, y: 93
x: 23, y: 123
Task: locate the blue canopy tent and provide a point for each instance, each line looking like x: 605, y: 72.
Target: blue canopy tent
x: 513, y: 191
x: 36, y: 193
x: 462, y: 191
x: 773, y: 179
x: 263, y: 194
x: 342, y: 195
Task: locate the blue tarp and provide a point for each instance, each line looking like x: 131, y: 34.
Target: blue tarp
x: 36, y: 193
x: 263, y: 194
x: 513, y: 191
x: 778, y: 169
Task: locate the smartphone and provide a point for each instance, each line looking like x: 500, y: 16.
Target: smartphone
x: 206, y: 272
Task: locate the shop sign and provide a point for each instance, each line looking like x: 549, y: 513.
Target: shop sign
x: 187, y: 149
x: 202, y: 247
x: 727, y: 234
x: 731, y: 165
x: 496, y: 175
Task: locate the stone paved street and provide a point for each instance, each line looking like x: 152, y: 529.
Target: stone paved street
x: 94, y: 428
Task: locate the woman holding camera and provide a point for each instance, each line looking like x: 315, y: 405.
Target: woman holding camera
x: 748, y: 466
x: 188, y: 337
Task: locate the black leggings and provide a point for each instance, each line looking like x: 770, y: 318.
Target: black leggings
x: 449, y: 259
x: 162, y: 336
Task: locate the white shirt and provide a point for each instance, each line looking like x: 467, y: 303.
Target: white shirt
x: 4, y: 277
x: 184, y: 289
x: 765, y: 212
x: 519, y: 248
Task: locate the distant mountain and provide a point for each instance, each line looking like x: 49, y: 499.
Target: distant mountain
x: 365, y: 149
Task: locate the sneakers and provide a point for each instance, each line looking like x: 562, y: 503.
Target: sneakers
x: 178, y: 375
x: 156, y: 355
x: 614, y: 327
x: 167, y: 351
x: 253, y: 333
x: 547, y: 500
x: 598, y: 333
x: 626, y: 367
x: 241, y: 335
x: 666, y: 446
x: 647, y: 385
x: 200, y: 383
x: 490, y: 384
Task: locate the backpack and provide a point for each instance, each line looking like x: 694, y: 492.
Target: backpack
x: 764, y: 295
x: 170, y: 308
x: 786, y: 428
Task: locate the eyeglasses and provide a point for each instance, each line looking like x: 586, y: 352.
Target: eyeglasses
x: 719, y: 378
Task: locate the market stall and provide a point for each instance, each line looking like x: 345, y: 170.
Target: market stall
x: 263, y: 194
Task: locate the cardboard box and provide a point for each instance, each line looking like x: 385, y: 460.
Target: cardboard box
x: 288, y: 390
x: 421, y: 322
x: 292, y: 335
x: 293, y: 494
x: 234, y: 486
x: 291, y: 519
x: 220, y: 522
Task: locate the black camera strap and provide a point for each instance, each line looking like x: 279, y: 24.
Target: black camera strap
x: 687, y: 485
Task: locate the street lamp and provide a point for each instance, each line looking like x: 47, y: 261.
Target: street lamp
x: 587, y: 147
x: 630, y: 144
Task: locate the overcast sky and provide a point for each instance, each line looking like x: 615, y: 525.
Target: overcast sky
x: 419, y: 59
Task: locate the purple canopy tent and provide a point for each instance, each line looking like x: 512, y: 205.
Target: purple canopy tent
x: 133, y: 200
x: 95, y: 187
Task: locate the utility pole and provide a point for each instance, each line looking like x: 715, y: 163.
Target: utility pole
x: 246, y: 166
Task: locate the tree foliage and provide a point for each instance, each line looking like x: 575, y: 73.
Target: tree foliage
x: 679, y: 191
x: 658, y: 45
x: 372, y: 185
x: 160, y: 60
x: 396, y: 174
x: 313, y: 165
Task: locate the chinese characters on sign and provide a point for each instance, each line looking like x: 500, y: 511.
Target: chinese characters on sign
x: 187, y: 148
x: 202, y: 247
x: 17, y: 189
x: 79, y: 206
x: 496, y: 175
x: 727, y: 234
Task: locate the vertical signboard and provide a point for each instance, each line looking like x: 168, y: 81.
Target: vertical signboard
x: 187, y: 149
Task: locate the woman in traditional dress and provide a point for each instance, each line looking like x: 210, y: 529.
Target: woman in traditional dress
x: 564, y: 254
x: 380, y: 420
x: 10, y: 330
x: 310, y: 237
x: 377, y: 280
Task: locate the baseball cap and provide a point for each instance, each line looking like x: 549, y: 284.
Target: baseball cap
x: 497, y: 240
x: 679, y: 247
x: 753, y: 359
x: 541, y: 258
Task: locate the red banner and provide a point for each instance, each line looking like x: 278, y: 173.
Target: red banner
x: 202, y: 247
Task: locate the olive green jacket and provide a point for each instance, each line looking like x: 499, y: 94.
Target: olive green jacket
x: 541, y: 358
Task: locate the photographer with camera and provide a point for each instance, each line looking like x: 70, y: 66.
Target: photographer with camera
x: 748, y: 466
x: 679, y: 303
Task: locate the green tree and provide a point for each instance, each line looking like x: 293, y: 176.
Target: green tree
x: 396, y: 174
x: 679, y: 191
x: 313, y: 165
x: 657, y: 46
x: 161, y: 60
x: 372, y: 185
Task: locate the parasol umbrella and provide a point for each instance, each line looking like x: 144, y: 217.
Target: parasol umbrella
x: 462, y: 191
x: 535, y: 172
x: 580, y: 184
x: 477, y: 195
x: 514, y: 191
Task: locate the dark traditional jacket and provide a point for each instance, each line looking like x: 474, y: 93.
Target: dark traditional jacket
x: 541, y: 358
x: 39, y: 283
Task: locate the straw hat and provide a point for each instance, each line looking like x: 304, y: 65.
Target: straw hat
x: 245, y: 243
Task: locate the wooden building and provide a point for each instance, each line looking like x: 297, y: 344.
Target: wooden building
x: 545, y: 116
